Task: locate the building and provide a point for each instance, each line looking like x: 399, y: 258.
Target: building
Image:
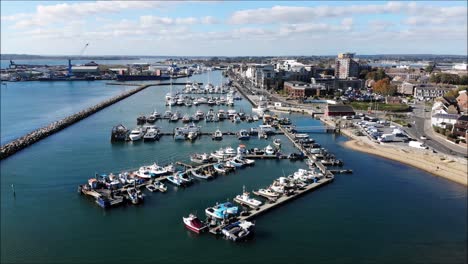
x: 299, y: 89
x: 346, y: 67
x: 261, y: 75
x: 406, y: 88
x: 460, y: 128
x: 332, y: 84
x: 428, y: 92
x: 83, y: 70
x: 442, y: 120
x: 339, y: 110
x: 462, y: 102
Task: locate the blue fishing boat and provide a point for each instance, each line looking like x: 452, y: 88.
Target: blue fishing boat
x: 222, y: 211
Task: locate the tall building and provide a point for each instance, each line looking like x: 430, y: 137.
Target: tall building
x: 346, y: 67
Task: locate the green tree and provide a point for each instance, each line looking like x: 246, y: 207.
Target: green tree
x: 429, y: 68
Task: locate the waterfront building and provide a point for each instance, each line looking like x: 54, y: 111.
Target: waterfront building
x: 82, y: 70
x: 339, y: 110
x: 299, y: 89
x: 442, y: 120
x: 460, y: 128
x: 346, y: 67
x: 261, y: 75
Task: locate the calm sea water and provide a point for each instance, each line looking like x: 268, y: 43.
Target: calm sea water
x: 385, y: 212
x: 5, y: 63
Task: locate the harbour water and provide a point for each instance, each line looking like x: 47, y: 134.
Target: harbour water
x: 385, y: 212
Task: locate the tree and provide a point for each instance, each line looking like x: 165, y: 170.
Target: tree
x: 376, y: 74
x: 429, y: 68
x: 384, y: 87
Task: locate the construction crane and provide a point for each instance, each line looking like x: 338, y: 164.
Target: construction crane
x: 70, y: 73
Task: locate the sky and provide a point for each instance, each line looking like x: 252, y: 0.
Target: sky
x: 230, y: 28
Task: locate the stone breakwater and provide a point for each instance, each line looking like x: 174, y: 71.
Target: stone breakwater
x: 38, y: 134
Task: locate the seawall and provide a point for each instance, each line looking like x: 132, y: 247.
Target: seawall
x: 43, y: 132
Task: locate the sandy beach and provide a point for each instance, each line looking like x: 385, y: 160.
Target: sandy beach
x: 454, y: 169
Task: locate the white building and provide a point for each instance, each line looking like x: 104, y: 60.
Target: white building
x: 442, y: 120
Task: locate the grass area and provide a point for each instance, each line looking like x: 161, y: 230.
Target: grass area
x: 381, y: 106
x: 401, y: 122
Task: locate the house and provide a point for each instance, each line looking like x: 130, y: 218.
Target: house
x: 462, y: 102
x: 339, y: 110
x: 428, y: 92
x: 442, y: 120
x: 460, y: 128
x: 444, y: 105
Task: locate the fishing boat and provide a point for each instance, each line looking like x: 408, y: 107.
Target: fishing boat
x: 186, y: 118
x: 245, y: 161
x: 194, y: 224
x: 217, y: 135
x: 219, y: 167
x: 179, y: 134
x: 269, y: 150
x: 247, y: 200
x: 230, y: 151
x: 268, y: 193
x: 200, y: 158
x: 243, y: 135
x: 167, y: 114
x: 136, y: 134
x: 141, y: 120
x: 238, y: 231
x: 277, y: 142
x: 144, y: 173
x: 184, y: 177
x: 174, y: 179
x: 235, y: 162
x: 202, y: 174
x: 133, y: 195
x: 222, y: 211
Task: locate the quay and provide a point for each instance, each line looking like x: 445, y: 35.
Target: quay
x: 153, y: 84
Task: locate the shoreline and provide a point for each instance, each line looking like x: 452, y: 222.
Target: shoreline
x: 436, y: 165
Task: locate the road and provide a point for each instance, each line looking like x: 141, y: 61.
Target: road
x: 420, y: 120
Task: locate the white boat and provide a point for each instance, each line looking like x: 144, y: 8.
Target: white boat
x: 144, y: 173
x: 230, y: 151
x: 243, y: 135
x: 247, y: 200
x: 219, y: 167
x: 269, y: 150
x: 202, y: 174
x: 184, y: 177
x: 268, y: 193
x: 266, y: 129
x: 175, y: 180
x: 238, y: 230
x: 200, y: 113
x: 167, y: 114
x: 160, y: 186
x: 217, y: 135
x: 192, y: 135
x: 245, y: 161
x: 221, y: 114
x: 277, y: 189
x: 200, y: 158
x: 277, y: 142
x: 151, y: 134
x: 179, y: 134
x: 234, y: 162
x: 255, y: 117
x: 157, y: 170
x: 136, y: 134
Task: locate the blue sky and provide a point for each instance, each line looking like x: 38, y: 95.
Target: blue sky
x: 233, y: 28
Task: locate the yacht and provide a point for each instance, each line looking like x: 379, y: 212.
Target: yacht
x: 243, y: 135
x: 167, y: 114
x: 200, y: 158
x: 144, y: 173
x: 200, y: 113
x: 151, y: 134
x: 194, y: 224
x: 134, y: 196
x: 255, y: 118
x: 192, y: 135
x: 277, y: 142
x: 231, y: 113
x: 230, y: 151
x: 160, y: 186
x: 186, y: 118
x: 221, y: 114
x: 247, y: 200
x: 244, y: 160
x: 238, y: 230
x: 175, y: 117
x: 222, y: 211
x: 202, y: 174
x: 217, y: 135
x: 268, y: 193
x: 219, y: 167
x: 157, y: 170
x: 179, y: 134
x: 266, y: 128
x: 136, y: 134
x: 269, y: 150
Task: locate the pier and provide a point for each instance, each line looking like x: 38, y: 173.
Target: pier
x: 275, y: 203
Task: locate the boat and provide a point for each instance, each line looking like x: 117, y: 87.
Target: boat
x: 160, y: 186
x: 247, y: 200
x: 167, y: 115
x: 200, y: 158
x: 157, y: 170
x: 238, y: 230
x: 230, y: 151
x: 136, y: 134
x: 119, y: 133
x: 151, y: 188
x: 217, y: 135
x: 277, y: 189
x: 255, y: 118
x: 222, y: 211
x: 243, y: 135
x: 269, y: 150
x: 186, y: 118
x: 184, y: 177
x: 192, y: 135
x: 179, y: 134
x: 268, y: 193
x: 268, y: 129
x: 235, y: 162
x: 194, y: 224
x: 202, y: 174
x: 277, y: 142
x: 151, y: 119
x: 200, y: 113
x: 133, y: 195
x: 195, y: 118
x: 151, y: 134
x: 141, y: 120
x: 245, y: 161
x: 174, y: 179
x: 241, y: 150
x: 221, y: 114
x: 144, y: 173
x: 175, y: 117
x: 219, y: 167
